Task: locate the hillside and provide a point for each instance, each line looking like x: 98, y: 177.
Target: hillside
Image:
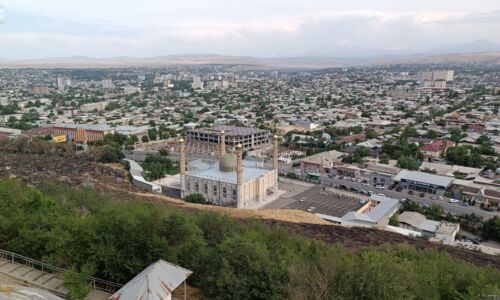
x: 113, y: 180
x: 253, y: 63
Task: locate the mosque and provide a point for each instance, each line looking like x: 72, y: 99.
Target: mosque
x: 233, y: 181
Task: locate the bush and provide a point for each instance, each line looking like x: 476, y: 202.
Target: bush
x: 110, y: 154
x: 231, y: 259
x: 77, y: 284
x: 195, y: 198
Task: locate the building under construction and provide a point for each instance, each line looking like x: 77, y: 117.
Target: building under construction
x: 249, y: 138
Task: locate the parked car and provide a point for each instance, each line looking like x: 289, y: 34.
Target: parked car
x: 422, y: 194
x: 454, y: 200
x: 310, y: 209
x: 440, y: 198
x: 425, y: 205
x: 363, y: 201
x: 487, y: 208
x: 302, y: 199
x: 410, y: 192
x: 403, y: 200
x: 370, y: 192
x: 380, y: 187
x: 380, y: 194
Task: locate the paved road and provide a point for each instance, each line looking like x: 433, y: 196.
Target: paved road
x: 453, y: 208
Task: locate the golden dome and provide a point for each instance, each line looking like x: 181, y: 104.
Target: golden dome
x: 228, y: 162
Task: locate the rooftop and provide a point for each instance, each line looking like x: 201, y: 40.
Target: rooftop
x: 95, y: 127
x: 157, y: 281
x: 423, y: 177
x: 229, y: 130
x: 212, y: 172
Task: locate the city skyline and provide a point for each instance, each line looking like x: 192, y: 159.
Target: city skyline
x: 247, y: 28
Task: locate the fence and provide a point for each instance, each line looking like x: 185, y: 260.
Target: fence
x: 97, y: 284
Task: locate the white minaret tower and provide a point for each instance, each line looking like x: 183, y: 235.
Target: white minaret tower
x: 222, y: 149
x: 275, y: 160
x: 239, y: 176
x: 182, y: 166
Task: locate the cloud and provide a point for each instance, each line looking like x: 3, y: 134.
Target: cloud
x: 258, y: 27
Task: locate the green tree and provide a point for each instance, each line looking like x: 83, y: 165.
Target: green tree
x: 111, y: 154
x: 77, y: 283
x: 195, y: 198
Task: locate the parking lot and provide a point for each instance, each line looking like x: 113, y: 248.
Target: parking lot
x: 328, y: 203
x: 425, y: 199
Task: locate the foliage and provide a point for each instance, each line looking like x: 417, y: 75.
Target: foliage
x: 468, y: 156
x: 110, y: 154
x: 195, y: 198
x: 491, y: 229
x: 358, y: 155
x: 156, y: 167
x: 384, y: 159
x: 393, y: 221
x: 371, y: 134
x: 76, y: 282
x: 456, y: 134
x: 231, y: 259
x: 406, y: 162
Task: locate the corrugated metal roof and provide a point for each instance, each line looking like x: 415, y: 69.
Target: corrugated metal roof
x: 423, y: 177
x: 384, y: 206
x: 157, y: 281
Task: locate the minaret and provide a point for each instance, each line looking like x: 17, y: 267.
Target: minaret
x: 275, y: 160
x: 182, y: 166
x: 222, y: 149
x: 239, y: 176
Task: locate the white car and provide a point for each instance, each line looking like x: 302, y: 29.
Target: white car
x: 380, y: 187
x: 440, y: 198
x: 454, y: 200
x: 363, y: 201
x: 302, y: 199
x: 310, y: 209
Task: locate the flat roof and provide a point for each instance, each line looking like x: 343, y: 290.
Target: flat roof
x: 95, y: 127
x: 384, y: 206
x: 229, y: 130
x: 212, y: 172
x: 426, y: 178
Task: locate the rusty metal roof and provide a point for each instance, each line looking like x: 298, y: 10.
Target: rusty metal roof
x: 157, y: 281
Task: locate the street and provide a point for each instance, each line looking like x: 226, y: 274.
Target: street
x: 453, y: 208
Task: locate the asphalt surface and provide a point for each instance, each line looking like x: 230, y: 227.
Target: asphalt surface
x: 453, y: 208
x: 332, y: 204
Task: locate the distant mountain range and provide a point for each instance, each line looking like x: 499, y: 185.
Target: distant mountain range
x: 480, y: 51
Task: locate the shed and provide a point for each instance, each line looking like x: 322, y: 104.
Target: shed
x: 156, y: 282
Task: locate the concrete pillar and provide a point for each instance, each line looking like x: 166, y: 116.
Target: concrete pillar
x: 275, y: 160
x: 222, y: 149
x: 239, y: 176
x: 182, y: 166
x: 275, y: 152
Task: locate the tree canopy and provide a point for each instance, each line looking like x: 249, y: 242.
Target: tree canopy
x: 231, y: 259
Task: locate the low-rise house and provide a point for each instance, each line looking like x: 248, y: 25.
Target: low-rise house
x: 436, y: 149
x: 321, y: 162
x: 351, y: 139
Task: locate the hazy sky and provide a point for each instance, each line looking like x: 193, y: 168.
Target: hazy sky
x: 266, y: 28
